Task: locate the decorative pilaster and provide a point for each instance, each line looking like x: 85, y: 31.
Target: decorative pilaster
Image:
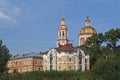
x: 54, y: 62
x: 76, y: 62
x: 48, y: 62
x: 83, y: 63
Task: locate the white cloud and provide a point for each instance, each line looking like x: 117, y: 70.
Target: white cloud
x: 9, y: 12
x: 4, y: 16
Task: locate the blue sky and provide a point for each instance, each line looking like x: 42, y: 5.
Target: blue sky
x: 31, y: 25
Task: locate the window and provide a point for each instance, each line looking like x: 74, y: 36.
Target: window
x: 60, y: 34
x: 64, y: 61
x: 39, y: 69
x: 82, y: 41
x: 20, y: 62
x: 69, y: 59
x: 59, y: 67
x: 63, y: 33
x: 40, y: 62
x: 85, y: 60
x: 35, y: 61
x: 59, y: 59
x: 16, y: 62
x: 70, y: 67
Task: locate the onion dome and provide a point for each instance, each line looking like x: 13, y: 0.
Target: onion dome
x: 87, y: 29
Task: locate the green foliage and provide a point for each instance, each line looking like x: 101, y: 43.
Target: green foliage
x: 104, y: 50
x: 48, y: 75
x: 106, y: 70
x: 112, y: 37
x: 4, y: 57
x: 103, y: 45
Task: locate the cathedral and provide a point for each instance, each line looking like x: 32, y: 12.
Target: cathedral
x: 65, y: 56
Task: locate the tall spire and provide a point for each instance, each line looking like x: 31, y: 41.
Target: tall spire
x: 63, y: 19
x: 87, y: 21
x: 87, y: 17
x: 63, y: 16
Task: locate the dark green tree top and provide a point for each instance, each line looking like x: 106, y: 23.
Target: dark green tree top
x: 103, y: 45
x: 4, y: 57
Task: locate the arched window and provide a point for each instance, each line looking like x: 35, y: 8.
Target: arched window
x: 82, y: 41
x: 60, y: 33
x: 63, y: 33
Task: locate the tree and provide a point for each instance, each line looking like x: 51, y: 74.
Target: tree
x: 106, y: 70
x: 4, y: 57
x: 112, y: 37
x: 103, y: 45
x: 93, y: 46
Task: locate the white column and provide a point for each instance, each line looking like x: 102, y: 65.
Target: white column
x: 83, y: 63
x: 54, y: 63
x: 76, y: 63
x: 48, y: 63
x: 58, y: 34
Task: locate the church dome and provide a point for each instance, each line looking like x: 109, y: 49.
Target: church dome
x: 87, y: 29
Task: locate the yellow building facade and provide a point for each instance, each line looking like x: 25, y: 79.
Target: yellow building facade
x: 25, y: 63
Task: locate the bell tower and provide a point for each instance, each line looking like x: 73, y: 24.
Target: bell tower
x: 62, y: 33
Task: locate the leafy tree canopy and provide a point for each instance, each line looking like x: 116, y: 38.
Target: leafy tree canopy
x: 106, y: 70
x: 4, y: 57
x: 103, y: 45
x: 104, y: 49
